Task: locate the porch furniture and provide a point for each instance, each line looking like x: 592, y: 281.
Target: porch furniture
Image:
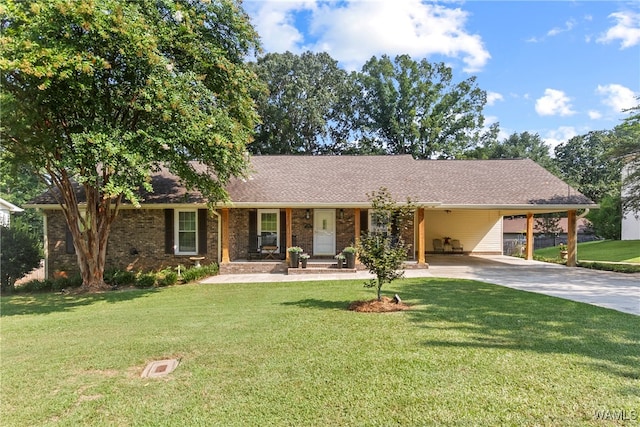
x: 265, y: 248
x: 437, y: 245
x: 269, y: 250
x: 456, y: 246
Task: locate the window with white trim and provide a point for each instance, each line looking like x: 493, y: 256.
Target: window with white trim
x: 186, y: 232
x: 378, y: 223
x: 269, y: 227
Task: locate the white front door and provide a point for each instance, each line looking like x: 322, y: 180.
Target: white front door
x: 324, y: 232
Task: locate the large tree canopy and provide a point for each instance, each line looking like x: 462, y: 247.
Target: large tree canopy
x: 301, y: 110
x: 414, y: 107
x: 626, y: 143
x: 102, y: 92
x: 584, y: 162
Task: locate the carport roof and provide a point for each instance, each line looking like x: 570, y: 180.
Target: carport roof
x: 345, y: 181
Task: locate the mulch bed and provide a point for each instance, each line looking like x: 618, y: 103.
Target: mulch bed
x: 387, y: 305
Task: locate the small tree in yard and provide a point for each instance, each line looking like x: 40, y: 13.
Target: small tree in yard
x: 19, y: 254
x: 382, y: 249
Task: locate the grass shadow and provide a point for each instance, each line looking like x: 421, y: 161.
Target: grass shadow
x: 46, y: 303
x: 482, y: 315
x: 319, y: 304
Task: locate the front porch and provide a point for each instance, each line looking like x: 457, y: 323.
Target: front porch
x: 314, y: 266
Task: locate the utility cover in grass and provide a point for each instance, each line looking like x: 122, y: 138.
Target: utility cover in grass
x: 160, y: 368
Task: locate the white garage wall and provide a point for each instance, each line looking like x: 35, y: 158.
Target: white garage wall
x: 479, y: 231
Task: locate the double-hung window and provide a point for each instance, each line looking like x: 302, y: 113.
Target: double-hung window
x: 268, y: 226
x: 186, y: 232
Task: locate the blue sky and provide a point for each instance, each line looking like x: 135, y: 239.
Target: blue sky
x: 556, y: 68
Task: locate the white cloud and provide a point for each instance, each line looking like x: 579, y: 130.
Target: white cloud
x: 555, y: 137
x: 568, y: 26
x: 275, y: 24
x: 353, y: 31
x: 554, y: 103
x: 617, y: 97
x: 493, y: 97
x: 627, y: 29
x: 594, y: 114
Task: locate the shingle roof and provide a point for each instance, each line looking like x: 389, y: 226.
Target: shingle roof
x: 346, y: 180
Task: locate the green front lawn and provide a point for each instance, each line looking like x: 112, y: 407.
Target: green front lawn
x: 604, y: 250
x: 469, y: 353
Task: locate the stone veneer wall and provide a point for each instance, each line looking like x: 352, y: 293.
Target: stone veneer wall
x: 136, y: 243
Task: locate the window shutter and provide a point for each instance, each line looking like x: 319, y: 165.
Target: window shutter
x: 253, y: 230
x: 68, y: 241
x: 283, y: 231
x: 202, y: 231
x: 364, y: 219
x: 168, y: 231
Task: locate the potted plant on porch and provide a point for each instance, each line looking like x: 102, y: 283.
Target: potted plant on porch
x: 294, y: 256
x: 340, y: 258
x: 303, y: 260
x: 350, y: 255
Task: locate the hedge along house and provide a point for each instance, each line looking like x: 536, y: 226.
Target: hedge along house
x: 321, y: 203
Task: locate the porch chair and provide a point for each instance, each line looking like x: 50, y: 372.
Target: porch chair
x: 456, y: 246
x: 254, y: 251
x: 437, y: 245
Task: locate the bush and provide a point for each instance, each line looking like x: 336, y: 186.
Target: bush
x: 619, y: 268
x: 49, y: 285
x: 196, y: 273
x: 120, y: 277
x: 145, y: 280
x: 166, y: 277
x: 19, y: 254
x: 35, y: 286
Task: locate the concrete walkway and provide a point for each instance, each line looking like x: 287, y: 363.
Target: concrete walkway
x: 616, y: 291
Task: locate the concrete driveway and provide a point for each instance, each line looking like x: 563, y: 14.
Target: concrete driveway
x: 616, y: 291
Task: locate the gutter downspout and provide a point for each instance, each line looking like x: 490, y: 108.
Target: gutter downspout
x: 583, y: 214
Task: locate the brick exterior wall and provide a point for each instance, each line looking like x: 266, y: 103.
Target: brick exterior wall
x: 136, y: 243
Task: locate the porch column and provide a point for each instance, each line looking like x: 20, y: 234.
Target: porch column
x: 572, y: 239
x: 356, y: 232
x: 224, y: 229
x: 289, y: 219
x: 356, y: 225
x: 529, y: 254
x: 420, y: 243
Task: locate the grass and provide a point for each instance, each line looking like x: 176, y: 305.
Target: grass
x: 604, y: 250
x: 469, y: 353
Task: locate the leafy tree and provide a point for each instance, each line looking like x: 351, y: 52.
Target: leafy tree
x: 414, y: 107
x: 301, y: 110
x: 98, y: 94
x: 19, y: 254
x: 19, y: 185
x: 523, y: 145
x: 584, y: 162
x: 549, y: 224
x: 382, y: 249
x: 626, y: 143
x: 608, y: 219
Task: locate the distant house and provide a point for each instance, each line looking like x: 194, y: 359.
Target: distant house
x: 320, y: 203
x: 514, y: 231
x: 6, y: 209
x: 630, y: 220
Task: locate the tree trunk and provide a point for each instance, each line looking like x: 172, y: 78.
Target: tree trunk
x: 90, y: 236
